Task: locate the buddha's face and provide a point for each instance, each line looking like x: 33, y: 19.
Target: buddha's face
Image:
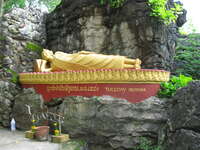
x: 47, y: 55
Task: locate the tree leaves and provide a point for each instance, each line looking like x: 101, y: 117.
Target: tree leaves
x: 9, y: 4
x: 168, y: 89
x: 160, y: 11
x: 188, y: 56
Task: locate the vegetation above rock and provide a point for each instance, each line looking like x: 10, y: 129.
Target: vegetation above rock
x: 159, y: 8
x: 186, y: 63
x: 168, y: 89
x: 167, y: 15
x: 187, y: 59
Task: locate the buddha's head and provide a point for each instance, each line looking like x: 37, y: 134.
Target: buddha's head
x: 47, y: 55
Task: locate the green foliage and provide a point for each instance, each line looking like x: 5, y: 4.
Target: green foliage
x: 168, y: 89
x: 158, y: 7
x: 9, y: 4
x: 146, y: 144
x: 194, y: 36
x: 14, y: 75
x: 159, y: 10
x: 188, y: 56
x: 113, y: 3
x: 34, y: 47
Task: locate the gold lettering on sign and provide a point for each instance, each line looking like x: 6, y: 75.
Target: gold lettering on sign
x: 67, y: 88
x: 116, y: 89
x: 110, y: 89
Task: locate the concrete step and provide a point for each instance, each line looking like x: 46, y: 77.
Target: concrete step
x: 17, y: 141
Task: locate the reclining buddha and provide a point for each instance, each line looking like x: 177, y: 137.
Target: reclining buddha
x: 82, y: 60
x: 90, y: 74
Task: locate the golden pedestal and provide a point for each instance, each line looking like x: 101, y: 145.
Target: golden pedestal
x: 60, y: 139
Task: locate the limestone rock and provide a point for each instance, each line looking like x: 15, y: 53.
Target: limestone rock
x: 182, y: 18
x: 128, y: 31
x: 184, y: 118
x: 184, y: 140
x: 184, y: 110
x: 20, y: 110
x: 109, y: 121
x: 7, y: 92
x: 18, y: 27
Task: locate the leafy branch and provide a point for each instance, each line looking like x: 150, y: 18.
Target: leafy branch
x: 168, y: 89
x: 9, y: 4
x: 167, y: 15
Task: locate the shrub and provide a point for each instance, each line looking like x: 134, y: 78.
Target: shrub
x: 164, y: 14
x: 168, y: 89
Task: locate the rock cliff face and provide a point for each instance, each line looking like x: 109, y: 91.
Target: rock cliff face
x: 184, y: 118
x: 85, y: 25
x: 20, y: 26
x: 112, y: 122
x: 7, y: 97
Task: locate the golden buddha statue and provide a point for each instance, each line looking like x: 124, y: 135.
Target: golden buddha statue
x: 61, y: 61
